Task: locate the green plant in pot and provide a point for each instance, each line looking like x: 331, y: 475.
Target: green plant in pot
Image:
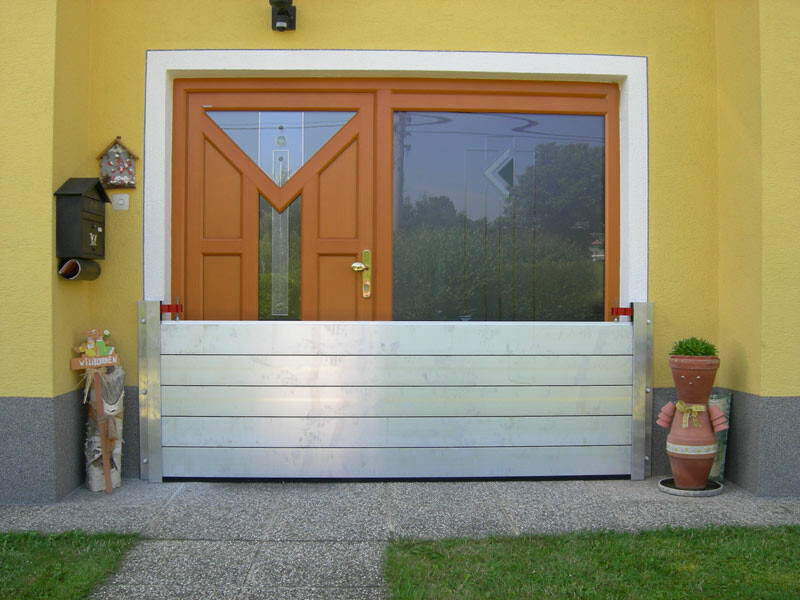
x: 691, y: 444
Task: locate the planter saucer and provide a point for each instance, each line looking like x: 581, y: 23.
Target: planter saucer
x: 713, y: 488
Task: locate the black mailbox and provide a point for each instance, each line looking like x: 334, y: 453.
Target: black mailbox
x: 81, y: 219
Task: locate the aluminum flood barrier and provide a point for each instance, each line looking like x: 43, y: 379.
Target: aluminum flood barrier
x: 383, y: 399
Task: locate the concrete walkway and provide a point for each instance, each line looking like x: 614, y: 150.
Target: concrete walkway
x: 255, y: 539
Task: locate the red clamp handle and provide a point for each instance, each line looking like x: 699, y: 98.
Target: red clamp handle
x: 618, y: 311
x: 171, y: 308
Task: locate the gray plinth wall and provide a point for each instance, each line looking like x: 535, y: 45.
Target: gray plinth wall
x: 763, y: 443
x: 41, y: 447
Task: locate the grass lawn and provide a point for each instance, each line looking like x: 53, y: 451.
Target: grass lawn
x: 68, y: 565
x: 713, y: 562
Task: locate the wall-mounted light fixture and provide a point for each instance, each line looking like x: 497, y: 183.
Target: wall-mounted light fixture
x: 284, y: 15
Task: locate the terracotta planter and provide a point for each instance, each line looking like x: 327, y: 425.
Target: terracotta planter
x: 693, y: 376
x: 691, y: 444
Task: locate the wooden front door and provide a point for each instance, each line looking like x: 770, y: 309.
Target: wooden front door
x: 477, y: 200
x: 228, y: 185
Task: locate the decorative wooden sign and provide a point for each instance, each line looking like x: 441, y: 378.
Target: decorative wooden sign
x: 93, y: 362
x: 96, y: 354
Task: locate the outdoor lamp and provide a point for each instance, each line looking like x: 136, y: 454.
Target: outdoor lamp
x: 283, y: 15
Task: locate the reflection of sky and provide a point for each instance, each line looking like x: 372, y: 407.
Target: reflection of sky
x: 259, y: 135
x: 448, y: 153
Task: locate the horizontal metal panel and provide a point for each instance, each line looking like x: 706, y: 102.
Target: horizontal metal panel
x: 397, y: 462
x: 394, y: 432
x: 405, y: 338
x: 394, y: 370
x: 395, y: 401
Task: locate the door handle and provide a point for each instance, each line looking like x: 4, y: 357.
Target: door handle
x: 363, y: 267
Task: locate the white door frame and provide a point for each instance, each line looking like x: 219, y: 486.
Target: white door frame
x: 164, y: 66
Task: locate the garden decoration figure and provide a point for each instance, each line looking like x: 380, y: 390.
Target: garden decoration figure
x: 691, y: 444
x: 105, y: 416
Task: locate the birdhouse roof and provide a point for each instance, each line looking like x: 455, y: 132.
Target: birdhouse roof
x: 121, y: 145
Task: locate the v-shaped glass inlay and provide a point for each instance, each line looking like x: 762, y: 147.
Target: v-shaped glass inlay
x: 280, y: 142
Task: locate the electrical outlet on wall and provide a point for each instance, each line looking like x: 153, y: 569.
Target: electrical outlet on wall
x: 120, y: 201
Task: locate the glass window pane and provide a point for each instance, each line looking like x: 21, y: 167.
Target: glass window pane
x: 280, y: 142
x: 498, y: 216
x: 278, y: 261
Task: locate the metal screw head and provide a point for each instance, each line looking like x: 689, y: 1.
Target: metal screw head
x: 145, y: 461
x: 648, y: 390
x: 144, y: 392
x: 143, y: 321
x: 649, y: 321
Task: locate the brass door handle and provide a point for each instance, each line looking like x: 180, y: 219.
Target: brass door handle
x: 362, y: 267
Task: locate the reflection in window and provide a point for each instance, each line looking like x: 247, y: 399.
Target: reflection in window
x: 498, y: 217
x: 280, y: 142
x: 278, y: 261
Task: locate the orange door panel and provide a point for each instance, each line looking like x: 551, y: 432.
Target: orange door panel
x: 219, y: 278
x: 337, y: 226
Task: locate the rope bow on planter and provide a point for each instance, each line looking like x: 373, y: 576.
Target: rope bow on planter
x: 690, y: 410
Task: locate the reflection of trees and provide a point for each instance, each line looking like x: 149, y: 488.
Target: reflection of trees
x: 531, y: 263
x: 265, y: 274
x: 568, y: 195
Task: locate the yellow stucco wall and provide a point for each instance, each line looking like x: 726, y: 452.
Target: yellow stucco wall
x: 709, y: 158
x: 71, y: 158
x: 739, y: 216
x: 780, y: 119
x: 27, y: 57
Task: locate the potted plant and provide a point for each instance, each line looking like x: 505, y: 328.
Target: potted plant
x: 691, y: 444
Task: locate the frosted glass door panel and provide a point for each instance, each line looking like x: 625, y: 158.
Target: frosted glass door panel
x: 278, y: 261
x: 280, y: 142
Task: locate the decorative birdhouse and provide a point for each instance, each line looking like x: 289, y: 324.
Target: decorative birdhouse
x: 117, y: 168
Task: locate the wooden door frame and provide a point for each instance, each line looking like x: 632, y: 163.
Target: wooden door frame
x: 630, y: 73
x: 392, y: 95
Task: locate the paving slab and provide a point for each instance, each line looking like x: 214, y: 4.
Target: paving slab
x: 246, y: 522
x: 68, y: 516
x: 164, y: 592
x: 540, y: 494
x: 317, y: 564
x: 331, y: 511
x: 187, y: 564
x: 438, y: 510
x: 642, y: 515
x: 132, y: 492
x: 230, y: 493
x: 17, y: 518
x: 315, y: 593
x: 312, y: 494
x: 333, y: 522
x: 748, y: 510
